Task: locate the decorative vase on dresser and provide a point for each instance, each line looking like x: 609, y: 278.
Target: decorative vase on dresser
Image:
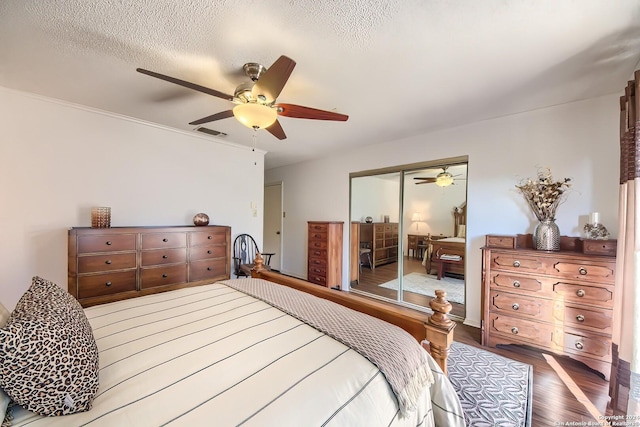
x: 111, y: 264
x: 561, y: 302
x: 324, y: 262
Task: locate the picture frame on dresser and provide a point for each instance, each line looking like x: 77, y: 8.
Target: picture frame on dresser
x: 556, y: 301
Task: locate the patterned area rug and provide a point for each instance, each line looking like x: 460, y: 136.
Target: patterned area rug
x: 493, y: 390
x: 426, y: 284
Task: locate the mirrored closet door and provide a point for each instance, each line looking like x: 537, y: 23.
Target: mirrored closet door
x: 408, y: 232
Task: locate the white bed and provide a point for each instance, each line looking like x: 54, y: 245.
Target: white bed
x: 212, y: 355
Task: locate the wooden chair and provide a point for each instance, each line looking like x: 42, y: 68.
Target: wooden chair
x: 245, y: 250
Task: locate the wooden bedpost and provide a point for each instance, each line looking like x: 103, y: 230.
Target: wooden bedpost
x: 258, y: 265
x: 440, y: 329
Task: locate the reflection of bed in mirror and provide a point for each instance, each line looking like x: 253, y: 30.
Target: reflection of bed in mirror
x: 447, y: 255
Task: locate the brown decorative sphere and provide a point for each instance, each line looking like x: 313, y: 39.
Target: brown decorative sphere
x: 201, y: 219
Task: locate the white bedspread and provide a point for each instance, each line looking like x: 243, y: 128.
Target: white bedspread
x: 214, y: 356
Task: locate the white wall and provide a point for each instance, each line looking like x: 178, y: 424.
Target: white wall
x: 57, y: 160
x: 578, y: 140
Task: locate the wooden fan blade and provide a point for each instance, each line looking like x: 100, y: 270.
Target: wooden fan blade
x: 218, y: 116
x: 300, y: 112
x: 186, y: 84
x: 425, y: 180
x: 276, y: 130
x: 270, y: 84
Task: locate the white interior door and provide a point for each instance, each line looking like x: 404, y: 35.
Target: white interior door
x: 272, y: 239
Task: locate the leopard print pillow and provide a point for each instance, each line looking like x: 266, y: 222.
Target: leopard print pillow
x: 49, y: 334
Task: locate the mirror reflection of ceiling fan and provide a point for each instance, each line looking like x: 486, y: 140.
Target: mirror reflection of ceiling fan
x: 255, y: 101
x: 443, y: 179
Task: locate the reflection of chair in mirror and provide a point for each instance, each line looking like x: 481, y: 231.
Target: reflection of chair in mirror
x: 245, y: 250
x: 365, y: 251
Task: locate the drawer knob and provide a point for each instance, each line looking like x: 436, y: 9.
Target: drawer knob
x: 164, y: 257
x: 516, y: 263
x: 165, y: 275
x: 108, y: 261
x: 209, y: 237
x: 108, y: 284
x: 580, y: 293
x: 582, y: 271
x: 579, y: 345
x: 165, y: 240
x: 208, y: 268
x: 109, y: 243
x: 209, y: 252
x: 516, y: 283
x: 515, y: 306
x: 580, y: 318
x: 514, y: 330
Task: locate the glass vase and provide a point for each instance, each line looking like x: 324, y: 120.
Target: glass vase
x: 546, y: 235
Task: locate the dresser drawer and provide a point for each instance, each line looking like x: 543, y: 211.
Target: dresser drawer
x: 322, y: 228
x: 318, y: 270
x: 106, y: 284
x: 588, y: 318
x: 518, y: 263
x: 208, y: 237
x: 586, y: 345
x: 507, y: 242
x: 107, y: 262
x: 519, y: 305
x: 528, y: 331
x: 163, y: 275
x: 164, y: 256
x: 163, y: 240
x: 318, y: 253
x: 600, y: 247
x: 590, y: 294
x: 208, y: 269
x: 319, y: 236
x: 318, y: 244
x: 317, y: 262
x: 516, y: 283
x: 106, y: 243
x: 317, y: 279
x: 206, y: 252
x: 586, y: 271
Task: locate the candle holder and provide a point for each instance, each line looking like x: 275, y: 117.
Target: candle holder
x: 100, y: 217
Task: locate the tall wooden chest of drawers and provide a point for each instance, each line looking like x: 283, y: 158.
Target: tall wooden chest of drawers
x: 561, y: 302
x: 108, y: 264
x: 324, y: 262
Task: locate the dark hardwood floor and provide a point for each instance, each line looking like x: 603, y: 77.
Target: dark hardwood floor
x: 563, y: 390
x: 370, y: 279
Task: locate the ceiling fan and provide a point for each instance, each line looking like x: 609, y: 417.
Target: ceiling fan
x: 443, y: 179
x: 255, y: 101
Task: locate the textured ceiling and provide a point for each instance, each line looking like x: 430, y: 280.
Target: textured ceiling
x: 397, y: 68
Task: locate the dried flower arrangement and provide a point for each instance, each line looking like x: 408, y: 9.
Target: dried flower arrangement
x: 596, y: 231
x: 543, y: 194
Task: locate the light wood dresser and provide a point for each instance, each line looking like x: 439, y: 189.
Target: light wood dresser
x: 324, y: 261
x: 109, y: 264
x: 560, y: 302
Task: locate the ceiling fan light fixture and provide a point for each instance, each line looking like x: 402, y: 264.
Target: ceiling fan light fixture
x: 444, y: 179
x: 255, y: 116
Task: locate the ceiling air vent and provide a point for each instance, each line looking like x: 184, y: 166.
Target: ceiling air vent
x: 210, y: 131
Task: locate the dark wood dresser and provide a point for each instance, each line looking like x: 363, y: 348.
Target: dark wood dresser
x: 324, y: 262
x: 109, y: 264
x: 561, y: 301
x: 382, y: 239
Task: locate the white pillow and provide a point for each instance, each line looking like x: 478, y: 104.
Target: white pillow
x: 4, y: 316
x: 462, y: 232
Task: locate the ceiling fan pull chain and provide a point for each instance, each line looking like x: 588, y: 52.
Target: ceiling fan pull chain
x: 254, y: 138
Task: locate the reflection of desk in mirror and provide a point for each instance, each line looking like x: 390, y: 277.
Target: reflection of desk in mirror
x: 417, y: 243
x: 382, y: 239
